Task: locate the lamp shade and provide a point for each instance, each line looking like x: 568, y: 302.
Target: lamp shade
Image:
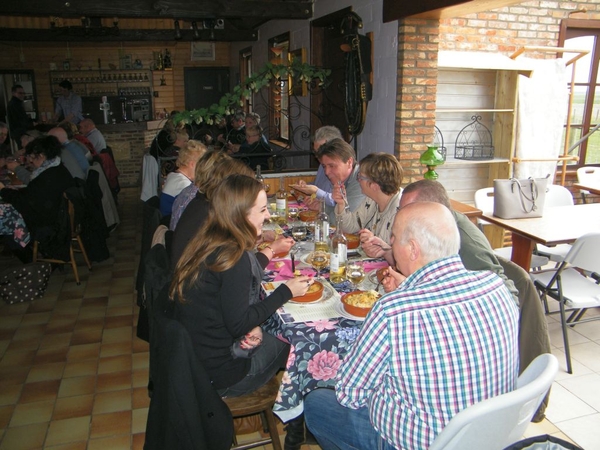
x: 431, y: 157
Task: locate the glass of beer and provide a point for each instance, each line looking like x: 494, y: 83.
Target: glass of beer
x: 319, y: 260
x: 355, y: 272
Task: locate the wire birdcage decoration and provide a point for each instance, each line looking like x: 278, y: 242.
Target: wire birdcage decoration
x: 438, y: 141
x: 474, y: 142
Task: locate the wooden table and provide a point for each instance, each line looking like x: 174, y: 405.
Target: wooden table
x: 470, y: 211
x: 559, y: 225
x: 592, y: 188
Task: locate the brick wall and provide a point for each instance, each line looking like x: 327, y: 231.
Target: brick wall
x: 416, y: 93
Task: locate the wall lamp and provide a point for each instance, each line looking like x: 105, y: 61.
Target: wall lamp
x: 177, y: 30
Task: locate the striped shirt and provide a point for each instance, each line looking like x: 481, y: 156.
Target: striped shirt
x: 445, y: 339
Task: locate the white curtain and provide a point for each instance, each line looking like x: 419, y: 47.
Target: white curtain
x: 542, y: 112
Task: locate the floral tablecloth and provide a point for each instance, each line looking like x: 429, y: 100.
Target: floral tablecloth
x: 12, y: 224
x: 317, y: 348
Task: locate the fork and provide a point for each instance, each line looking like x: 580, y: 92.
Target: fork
x: 347, y: 206
x: 383, y: 247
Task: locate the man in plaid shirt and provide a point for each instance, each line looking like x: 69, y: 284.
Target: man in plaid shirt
x: 445, y: 339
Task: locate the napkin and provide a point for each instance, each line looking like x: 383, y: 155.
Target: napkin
x: 372, y: 265
x: 285, y: 273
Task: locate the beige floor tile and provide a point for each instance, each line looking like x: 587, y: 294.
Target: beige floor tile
x: 17, y: 358
x: 26, y: 344
x: 80, y: 368
x: 115, y: 349
x: 121, y: 334
x: 70, y: 387
x: 82, y: 445
x: 112, y: 401
x: 584, y: 387
x: 6, y: 413
x: 56, y: 340
x: 587, y: 354
x: 76, y: 406
x: 9, y: 394
x: 84, y: 352
x: 119, y: 363
x: 113, y: 443
x: 43, y: 372
x: 114, y: 381
x: 68, y: 430
x: 111, y: 424
x: 140, y: 378
x: 29, y: 331
x: 29, y: 413
x: 141, y: 360
x: 139, y: 419
x: 138, y: 441
x: 119, y: 310
x: 28, y: 437
x: 564, y: 405
x: 118, y: 321
x: 36, y: 318
x: 584, y: 431
x: 139, y: 398
x: 51, y: 355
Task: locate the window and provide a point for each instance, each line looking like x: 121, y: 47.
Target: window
x: 279, y: 96
x: 585, y: 113
x: 245, y: 72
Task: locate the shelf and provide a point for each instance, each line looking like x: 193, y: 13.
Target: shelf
x: 450, y: 160
x: 468, y: 110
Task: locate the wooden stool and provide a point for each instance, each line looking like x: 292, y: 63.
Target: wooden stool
x: 261, y: 402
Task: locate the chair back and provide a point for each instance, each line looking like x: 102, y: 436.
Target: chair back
x: 558, y: 195
x: 500, y: 421
x: 584, y: 253
x: 484, y: 200
x: 588, y: 174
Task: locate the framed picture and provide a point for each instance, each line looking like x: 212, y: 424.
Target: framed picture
x: 203, y: 51
x: 298, y: 88
x: 66, y: 65
x: 125, y: 62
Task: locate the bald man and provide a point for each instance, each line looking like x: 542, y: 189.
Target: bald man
x: 444, y: 340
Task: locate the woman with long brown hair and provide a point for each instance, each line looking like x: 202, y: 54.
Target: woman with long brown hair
x: 216, y: 288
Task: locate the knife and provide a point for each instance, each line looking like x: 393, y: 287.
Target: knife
x: 293, y: 263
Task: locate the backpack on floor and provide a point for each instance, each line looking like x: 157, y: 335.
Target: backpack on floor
x: 24, y: 283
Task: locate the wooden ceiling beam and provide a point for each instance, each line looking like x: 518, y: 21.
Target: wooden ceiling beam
x: 439, y: 9
x: 80, y: 34
x: 176, y: 9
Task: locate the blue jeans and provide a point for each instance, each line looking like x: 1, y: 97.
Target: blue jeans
x: 339, y: 428
x: 270, y: 356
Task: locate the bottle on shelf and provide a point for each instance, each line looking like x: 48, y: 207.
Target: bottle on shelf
x: 322, y: 230
x: 259, y: 176
x: 338, y: 255
x: 281, y: 200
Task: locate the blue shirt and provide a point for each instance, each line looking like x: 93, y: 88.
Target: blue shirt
x: 445, y: 339
x: 70, y: 105
x: 324, y: 187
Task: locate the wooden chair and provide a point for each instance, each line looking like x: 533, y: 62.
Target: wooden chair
x: 75, y: 237
x: 261, y: 402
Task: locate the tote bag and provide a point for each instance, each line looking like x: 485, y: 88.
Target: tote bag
x: 519, y: 199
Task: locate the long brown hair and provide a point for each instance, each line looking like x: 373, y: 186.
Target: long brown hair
x: 226, y: 234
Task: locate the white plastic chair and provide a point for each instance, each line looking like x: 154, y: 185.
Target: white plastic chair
x: 588, y: 174
x: 500, y: 421
x: 484, y: 200
x: 557, y: 195
x: 571, y: 286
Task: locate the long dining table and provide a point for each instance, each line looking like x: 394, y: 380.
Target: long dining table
x: 558, y: 225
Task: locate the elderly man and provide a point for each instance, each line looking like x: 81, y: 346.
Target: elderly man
x: 68, y: 105
x: 72, y: 155
x: 322, y: 186
x: 339, y: 164
x: 87, y: 127
x: 254, y: 145
x: 444, y: 340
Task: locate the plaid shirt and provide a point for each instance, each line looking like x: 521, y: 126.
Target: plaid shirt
x: 445, y: 339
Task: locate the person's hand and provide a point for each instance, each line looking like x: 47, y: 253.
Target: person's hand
x: 307, y: 189
x: 314, y: 204
x: 221, y: 139
x: 268, y: 236
x: 391, y: 279
x: 252, y: 339
x: 299, y: 285
x: 373, y: 246
x: 282, y: 245
x: 338, y: 195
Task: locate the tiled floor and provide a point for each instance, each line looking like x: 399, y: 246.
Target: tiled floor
x: 73, y: 375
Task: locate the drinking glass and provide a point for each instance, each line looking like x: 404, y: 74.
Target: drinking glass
x: 299, y: 232
x: 292, y: 212
x: 355, y: 272
x: 318, y: 261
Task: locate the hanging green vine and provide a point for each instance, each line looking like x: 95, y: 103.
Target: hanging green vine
x: 299, y: 72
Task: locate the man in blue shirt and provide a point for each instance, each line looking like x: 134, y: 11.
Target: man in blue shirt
x: 445, y: 339
x: 68, y: 105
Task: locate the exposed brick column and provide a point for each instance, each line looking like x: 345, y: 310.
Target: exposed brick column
x: 416, y: 94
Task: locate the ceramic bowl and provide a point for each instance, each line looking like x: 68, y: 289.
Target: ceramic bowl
x: 353, y: 309
x: 353, y: 240
x: 307, y: 215
x: 314, y: 293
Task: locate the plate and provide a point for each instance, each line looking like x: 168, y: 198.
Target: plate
x: 339, y: 308
x: 304, y: 259
x: 327, y: 294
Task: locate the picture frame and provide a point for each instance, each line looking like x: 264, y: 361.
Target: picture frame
x: 125, y: 62
x: 297, y: 88
x: 66, y: 65
x: 202, y: 51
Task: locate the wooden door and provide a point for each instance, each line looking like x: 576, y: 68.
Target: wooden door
x: 204, y: 86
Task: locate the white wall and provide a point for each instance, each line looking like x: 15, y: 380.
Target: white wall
x: 378, y: 133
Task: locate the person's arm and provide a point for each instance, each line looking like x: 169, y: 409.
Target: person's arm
x: 367, y: 363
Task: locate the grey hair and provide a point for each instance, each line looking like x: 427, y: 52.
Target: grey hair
x: 327, y: 133
x: 433, y: 227
x: 239, y: 115
x: 254, y: 116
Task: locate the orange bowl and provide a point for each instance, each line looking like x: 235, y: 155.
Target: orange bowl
x: 315, y: 291
x: 353, y: 240
x: 349, y: 300
x: 308, y: 215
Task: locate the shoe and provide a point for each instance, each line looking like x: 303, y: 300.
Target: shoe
x: 294, y: 434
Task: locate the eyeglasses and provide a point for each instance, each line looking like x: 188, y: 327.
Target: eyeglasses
x: 359, y: 177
